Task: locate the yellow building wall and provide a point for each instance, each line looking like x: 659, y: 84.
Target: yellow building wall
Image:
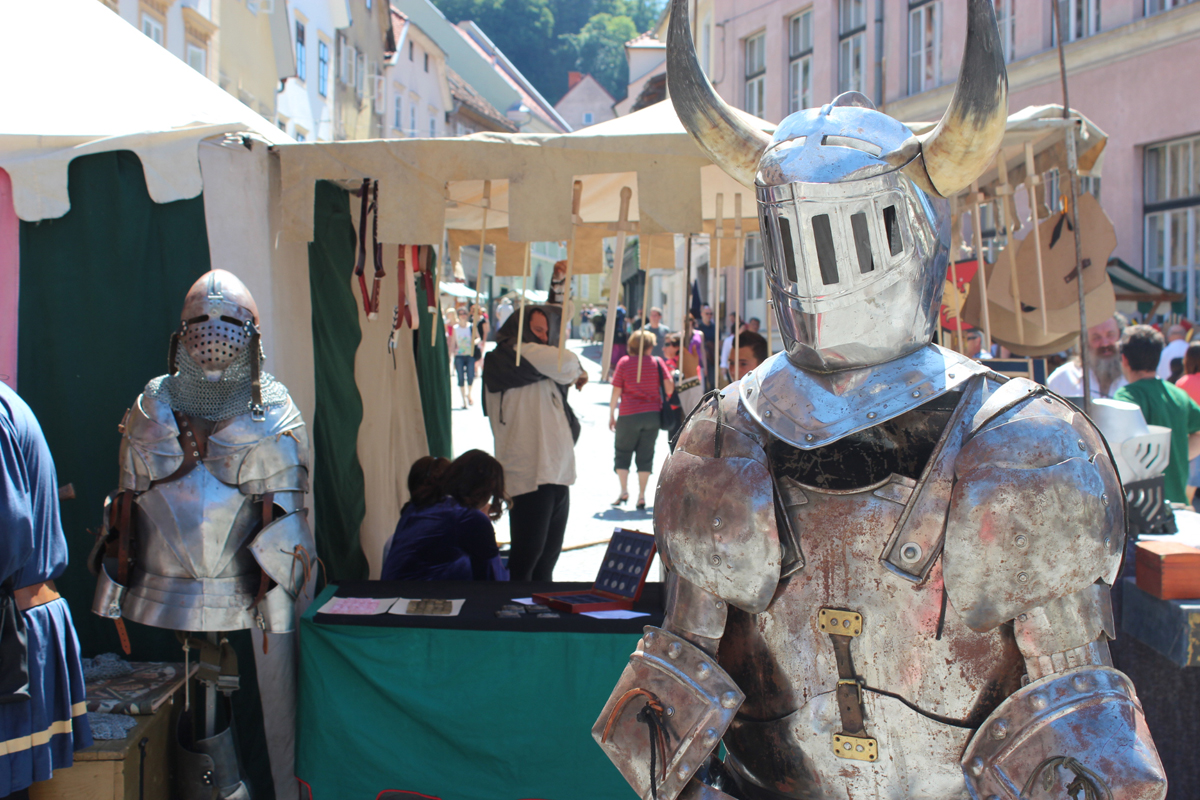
x: 357, y: 116
x: 246, y: 66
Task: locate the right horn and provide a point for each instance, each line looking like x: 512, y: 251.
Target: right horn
x: 962, y: 145
x: 723, y: 135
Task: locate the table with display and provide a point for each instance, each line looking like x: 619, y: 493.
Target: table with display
x: 466, y: 707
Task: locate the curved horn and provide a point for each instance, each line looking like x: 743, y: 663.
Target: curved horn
x: 962, y: 145
x: 721, y: 133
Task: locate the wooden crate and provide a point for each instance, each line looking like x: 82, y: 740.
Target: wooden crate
x: 109, y: 769
x: 1168, y: 570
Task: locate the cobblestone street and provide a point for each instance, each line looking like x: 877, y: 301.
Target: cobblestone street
x: 593, y: 517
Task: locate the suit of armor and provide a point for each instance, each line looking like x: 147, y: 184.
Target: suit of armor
x: 208, y: 531
x: 889, y: 567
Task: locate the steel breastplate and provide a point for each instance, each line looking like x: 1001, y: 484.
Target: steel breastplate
x: 192, y: 570
x: 922, y: 695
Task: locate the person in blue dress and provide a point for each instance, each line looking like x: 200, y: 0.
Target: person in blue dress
x: 41, y: 734
x: 452, y: 539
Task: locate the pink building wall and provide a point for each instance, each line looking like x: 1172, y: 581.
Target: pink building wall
x: 1134, y: 78
x: 10, y: 279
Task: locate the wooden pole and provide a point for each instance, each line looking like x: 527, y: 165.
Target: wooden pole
x: 524, y: 289
x: 983, y: 296
x: 564, y: 317
x: 614, y: 283
x: 958, y: 320
x: 715, y: 260
x: 1032, y: 179
x: 487, y: 201
x: 1004, y: 190
x: 738, y: 276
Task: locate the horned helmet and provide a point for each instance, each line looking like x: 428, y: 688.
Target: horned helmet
x: 852, y: 205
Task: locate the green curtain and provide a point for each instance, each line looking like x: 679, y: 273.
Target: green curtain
x: 339, y: 492
x: 433, y: 367
x: 101, y: 289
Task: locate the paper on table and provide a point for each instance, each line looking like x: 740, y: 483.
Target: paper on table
x: 401, y: 608
x: 616, y: 613
x: 527, y: 601
x: 357, y: 605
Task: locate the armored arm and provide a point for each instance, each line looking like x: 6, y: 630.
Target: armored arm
x: 717, y: 534
x: 1034, y: 537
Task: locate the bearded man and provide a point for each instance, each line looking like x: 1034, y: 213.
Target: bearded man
x: 1104, y: 363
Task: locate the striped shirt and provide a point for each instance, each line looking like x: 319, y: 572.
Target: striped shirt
x: 639, y: 397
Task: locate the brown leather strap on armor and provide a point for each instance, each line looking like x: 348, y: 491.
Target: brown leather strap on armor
x: 194, y: 442
x: 122, y: 512
x: 849, y: 693
x: 852, y: 741
x: 264, y: 580
x: 36, y: 595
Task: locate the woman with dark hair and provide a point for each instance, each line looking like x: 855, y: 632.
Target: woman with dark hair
x: 452, y: 538
x: 424, y: 489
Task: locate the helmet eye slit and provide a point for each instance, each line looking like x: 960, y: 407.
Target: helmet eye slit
x: 891, y: 226
x: 862, y: 242
x: 826, y: 251
x: 789, y: 248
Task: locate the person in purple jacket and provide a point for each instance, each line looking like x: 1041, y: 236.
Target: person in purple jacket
x: 452, y: 539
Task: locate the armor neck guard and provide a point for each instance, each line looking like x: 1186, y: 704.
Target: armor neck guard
x: 812, y: 409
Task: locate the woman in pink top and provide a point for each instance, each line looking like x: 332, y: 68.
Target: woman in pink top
x: 641, y: 405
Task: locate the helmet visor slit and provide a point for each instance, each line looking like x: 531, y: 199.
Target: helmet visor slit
x: 789, y: 249
x: 862, y: 242
x: 826, y: 251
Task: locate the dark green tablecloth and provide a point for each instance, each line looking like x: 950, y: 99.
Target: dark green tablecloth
x: 480, y: 711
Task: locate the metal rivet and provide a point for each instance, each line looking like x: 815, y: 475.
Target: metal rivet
x: 846, y: 746
x: 710, y: 737
x: 808, y: 437
x: 189, y: 433
x: 1038, y: 701
x: 1022, y: 577
x: 859, y: 748
x: 910, y: 553
x: 1082, y: 684
x: 767, y: 413
x: 1021, y: 540
x: 749, y: 390
x: 999, y: 729
x: 703, y: 671
x: 194, y: 453
x: 1023, y: 617
x: 1104, y: 499
x: 720, y: 604
x: 1082, y: 446
x: 1107, y: 541
x: 674, y: 649
x: 950, y: 376
x: 916, y: 392
x: 670, y: 712
x: 649, y: 637
x: 716, y: 522
x: 977, y: 766
x: 845, y: 623
x: 729, y: 700
x: 716, y: 560
x: 684, y: 770
x: 871, y: 415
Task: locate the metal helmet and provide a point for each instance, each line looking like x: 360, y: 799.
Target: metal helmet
x: 854, y: 222
x: 218, y: 321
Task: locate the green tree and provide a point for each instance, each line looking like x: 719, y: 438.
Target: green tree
x: 600, y: 50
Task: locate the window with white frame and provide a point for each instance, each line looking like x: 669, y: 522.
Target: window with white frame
x: 756, y: 73
x: 1157, y: 6
x: 396, y: 123
x: 197, y: 58
x: 322, y: 68
x: 1080, y: 18
x: 152, y: 26
x: 433, y: 127
x: 852, y: 45
x: 924, y: 47
x: 588, y: 117
x: 301, y: 134
x: 800, y: 48
x: 345, y: 61
x: 360, y: 71
x: 1172, y: 217
x: 412, y: 119
x: 301, y: 52
x: 1006, y: 20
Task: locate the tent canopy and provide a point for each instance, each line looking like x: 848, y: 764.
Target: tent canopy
x: 1137, y: 292
x: 131, y: 95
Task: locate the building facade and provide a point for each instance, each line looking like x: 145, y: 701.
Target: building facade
x: 305, y: 105
x: 360, y: 97
x: 188, y: 29
x: 585, y: 103
x: 417, y: 84
x: 783, y: 55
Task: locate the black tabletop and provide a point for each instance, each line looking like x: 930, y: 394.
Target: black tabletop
x: 484, y: 599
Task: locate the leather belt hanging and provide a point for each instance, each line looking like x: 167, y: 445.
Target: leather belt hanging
x: 852, y: 741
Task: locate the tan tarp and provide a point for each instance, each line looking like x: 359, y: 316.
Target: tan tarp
x: 656, y: 252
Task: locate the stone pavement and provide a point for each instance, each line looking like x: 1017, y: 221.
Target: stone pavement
x: 592, y: 515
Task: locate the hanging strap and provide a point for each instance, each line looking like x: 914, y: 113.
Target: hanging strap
x: 257, y: 412
x: 852, y: 741
x: 122, y: 512
x: 360, y: 264
x: 377, y: 253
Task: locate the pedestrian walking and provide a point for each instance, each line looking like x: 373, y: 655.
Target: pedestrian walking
x: 464, y: 356
x: 640, y: 404
x: 620, y: 335
x: 535, y: 432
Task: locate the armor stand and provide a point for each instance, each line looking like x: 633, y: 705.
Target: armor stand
x: 208, y: 768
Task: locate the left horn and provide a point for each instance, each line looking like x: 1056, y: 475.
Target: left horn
x: 724, y: 136
x: 962, y: 145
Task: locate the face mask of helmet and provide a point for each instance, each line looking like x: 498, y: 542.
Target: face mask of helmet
x: 854, y: 222
x: 219, y: 320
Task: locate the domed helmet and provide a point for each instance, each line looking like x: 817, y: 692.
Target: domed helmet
x: 855, y: 225
x: 218, y: 320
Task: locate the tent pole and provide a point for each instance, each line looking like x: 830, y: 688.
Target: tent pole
x: 564, y: 318
x: 983, y: 297
x: 958, y: 309
x: 1010, y: 250
x: 715, y: 259
x: 614, y: 284
x: 738, y: 275
x: 487, y: 201
x: 524, y: 289
x: 1032, y: 179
